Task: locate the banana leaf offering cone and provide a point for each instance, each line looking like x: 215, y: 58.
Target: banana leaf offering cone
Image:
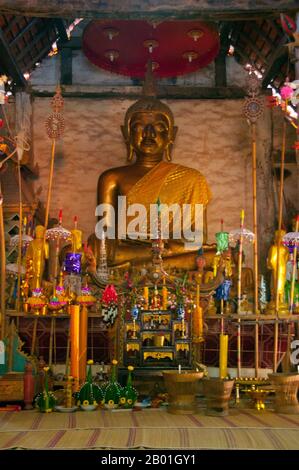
x: 129, y: 392
x: 45, y: 401
x: 90, y: 394
x: 113, y: 391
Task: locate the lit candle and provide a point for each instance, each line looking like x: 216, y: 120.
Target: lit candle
x: 74, y: 342
x: 215, y: 267
x: 24, y: 225
x: 145, y: 295
x: 197, y: 315
x: 164, y: 297
x: 60, y: 217
x: 242, y: 217
x: 180, y: 368
x: 197, y: 324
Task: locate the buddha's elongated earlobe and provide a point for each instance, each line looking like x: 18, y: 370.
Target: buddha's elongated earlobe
x: 168, y: 152
x: 130, y: 152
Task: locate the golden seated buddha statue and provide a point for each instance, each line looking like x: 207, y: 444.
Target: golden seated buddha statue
x: 149, y: 133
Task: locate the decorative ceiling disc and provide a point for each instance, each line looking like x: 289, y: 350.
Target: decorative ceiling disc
x: 253, y: 108
x: 136, y: 42
x: 55, y: 125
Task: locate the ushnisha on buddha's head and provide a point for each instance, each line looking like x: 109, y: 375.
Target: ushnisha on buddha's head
x: 149, y: 130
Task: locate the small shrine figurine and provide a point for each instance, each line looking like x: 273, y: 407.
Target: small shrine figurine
x: 37, y: 253
x: 212, y: 310
x: 279, y: 271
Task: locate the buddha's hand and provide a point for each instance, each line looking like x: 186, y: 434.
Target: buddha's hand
x: 90, y: 260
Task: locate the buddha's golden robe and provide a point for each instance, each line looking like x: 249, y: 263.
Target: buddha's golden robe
x: 171, y: 183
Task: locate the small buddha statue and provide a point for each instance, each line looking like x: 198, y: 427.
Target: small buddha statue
x: 37, y: 253
x: 149, y: 133
x: 247, y: 281
x: 279, y: 272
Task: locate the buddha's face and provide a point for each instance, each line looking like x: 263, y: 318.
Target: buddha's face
x: 39, y: 231
x: 149, y: 133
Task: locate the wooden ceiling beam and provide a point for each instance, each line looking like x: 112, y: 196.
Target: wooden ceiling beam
x: 272, y: 72
x: 164, y: 92
x: 243, y: 56
x: 156, y: 9
x: 249, y: 42
x: 278, y: 56
x: 10, y: 23
x: 59, y: 23
x: 9, y: 64
x: 220, y: 61
x: 261, y: 33
x: 43, y: 33
x: 29, y: 25
x: 41, y: 54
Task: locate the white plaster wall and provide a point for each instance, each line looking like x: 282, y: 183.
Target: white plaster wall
x: 47, y: 73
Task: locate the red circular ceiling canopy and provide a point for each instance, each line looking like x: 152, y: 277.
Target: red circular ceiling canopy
x: 125, y: 46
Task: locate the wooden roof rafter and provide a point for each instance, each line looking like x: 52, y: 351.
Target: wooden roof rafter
x: 28, y: 40
x: 252, y: 42
x: 9, y: 63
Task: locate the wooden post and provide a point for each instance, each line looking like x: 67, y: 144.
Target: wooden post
x: 75, y: 343
x: 83, y: 343
x: 283, y: 148
x: 255, y: 249
x: 51, y: 342
x: 50, y: 181
x: 294, y: 268
x: 34, y: 336
x: 20, y: 237
x: 3, y: 269
x: 239, y: 295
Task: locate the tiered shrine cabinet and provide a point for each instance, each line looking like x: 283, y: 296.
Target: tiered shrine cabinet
x: 157, y: 339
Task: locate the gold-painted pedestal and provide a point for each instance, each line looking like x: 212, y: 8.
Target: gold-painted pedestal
x: 286, y: 389
x: 283, y: 309
x: 217, y: 392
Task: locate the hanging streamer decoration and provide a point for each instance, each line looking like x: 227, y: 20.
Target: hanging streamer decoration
x: 222, y: 291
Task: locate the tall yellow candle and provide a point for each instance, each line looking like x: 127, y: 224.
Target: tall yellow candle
x: 83, y: 343
x: 75, y: 341
x: 164, y: 297
x: 197, y: 319
x: 197, y: 325
x: 223, y: 353
x: 145, y: 295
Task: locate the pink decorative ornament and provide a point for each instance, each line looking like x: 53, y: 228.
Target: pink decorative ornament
x: 109, y: 295
x: 286, y: 92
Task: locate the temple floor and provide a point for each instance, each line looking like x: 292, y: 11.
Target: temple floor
x: 148, y: 429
